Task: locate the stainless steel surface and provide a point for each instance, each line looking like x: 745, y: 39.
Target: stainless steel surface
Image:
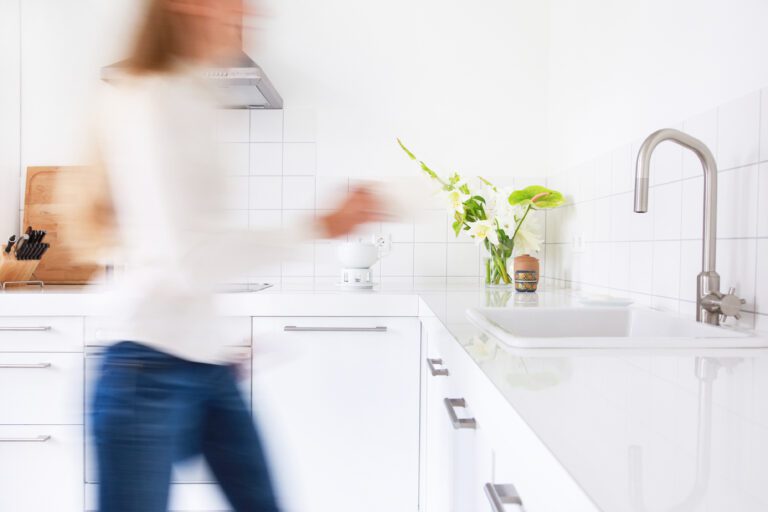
x: 458, y: 423
x: 25, y: 328
x: 293, y: 328
x: 36, y: 439
x: 243, y: 84
x: 25, y: 366
x: 711, y: 304
x: 502, y: 494
x: 436, y: 371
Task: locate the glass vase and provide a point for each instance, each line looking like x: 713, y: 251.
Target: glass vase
x: 497, y: 266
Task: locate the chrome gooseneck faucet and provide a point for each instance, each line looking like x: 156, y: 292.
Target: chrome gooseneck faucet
x: 712, y: 306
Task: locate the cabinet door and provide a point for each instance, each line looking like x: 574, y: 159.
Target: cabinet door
x: 338, y: 403
x: 42, y: 468
x: 458, y: 456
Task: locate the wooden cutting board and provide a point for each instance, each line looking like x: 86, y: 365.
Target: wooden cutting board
x: 43, y: 210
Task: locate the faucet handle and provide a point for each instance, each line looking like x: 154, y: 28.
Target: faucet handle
x: 730, y: 305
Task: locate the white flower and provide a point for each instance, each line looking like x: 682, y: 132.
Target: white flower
x: 484, y: 229
x: 528, y: 239
x: 455, y: 199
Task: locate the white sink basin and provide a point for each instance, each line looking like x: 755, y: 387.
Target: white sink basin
x: 604, y: 328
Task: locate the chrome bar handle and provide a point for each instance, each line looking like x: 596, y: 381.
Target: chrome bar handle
x: 36, y: 439
x: 436, y: 371
x: 502, y: 494
x: 4, y: 328
x: 458, y: 423
x: 293, y: 328
x: 24, y: 366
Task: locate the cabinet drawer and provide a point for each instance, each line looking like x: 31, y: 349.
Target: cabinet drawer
x: 41, y: 334
x: 235, y: 331
x: 183, y: 498
x: 41, y: 388
x: 41, y: 468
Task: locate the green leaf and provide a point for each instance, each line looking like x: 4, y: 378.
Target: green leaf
x: 493, y: 187
x: 432, y: 174
x: 544, y: 197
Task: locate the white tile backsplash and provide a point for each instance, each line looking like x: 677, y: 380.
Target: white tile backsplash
x: 399, y: 261
x: 429, y: 260
x: 762, y: 201
x: 736, y: 263
x: 462, y: 260
x: 300, y: 125
x: 692, y: 208
x: 738, y: 134
x: 666, y: 163
x: 235, y: 158
x: 655, y: 257
x: 237, y: 192
x: 299, y: 192
x: 666, y: 208
x: 621, y: 169
x: 666, y: 268
x: 299, y: 158
x: 266, y: 158
x: 430, y: 226
x: 233, y: 125
x: 761, y: 279
x: 737, y: 203
x: 266, y: 193
x: 703, y: 127
x: 266, y: 126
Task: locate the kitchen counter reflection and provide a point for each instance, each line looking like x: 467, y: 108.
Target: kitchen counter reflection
x: 639, y: 430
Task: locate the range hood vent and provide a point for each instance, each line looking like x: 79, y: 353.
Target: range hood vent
x: 243, y: 84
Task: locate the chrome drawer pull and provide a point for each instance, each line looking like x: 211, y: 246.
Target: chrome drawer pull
x: 4, y: 328
x: 36, y: 439
x: 436, y: 371
x: 502, y: 494
x: 293, y: 328
x: 451, y: 404
x: 25, y: 366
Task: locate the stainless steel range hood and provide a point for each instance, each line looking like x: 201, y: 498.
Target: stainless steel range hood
x: 243, y: 84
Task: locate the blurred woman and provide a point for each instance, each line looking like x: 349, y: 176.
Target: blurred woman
x: 155, y: 206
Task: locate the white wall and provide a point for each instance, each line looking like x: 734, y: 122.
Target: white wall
x: 619, y: 69
x: 9, y: 116
x: 463, y: 83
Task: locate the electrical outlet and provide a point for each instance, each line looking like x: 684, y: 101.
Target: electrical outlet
x: 383, y: 242
x: 578, y: 244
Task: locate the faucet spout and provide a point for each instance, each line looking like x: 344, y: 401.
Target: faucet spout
x: 709, y: 166
x: 709, y: 296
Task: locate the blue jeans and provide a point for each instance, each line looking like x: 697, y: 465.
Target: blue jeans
x: 152, y: 409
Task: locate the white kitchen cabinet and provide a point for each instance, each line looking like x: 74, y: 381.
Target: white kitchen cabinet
x: 501, y: 450
x: 41, y: 334
x: 338, y: 402
x: 41, y: 388
x: 457, y: 458
x: 41, y: 469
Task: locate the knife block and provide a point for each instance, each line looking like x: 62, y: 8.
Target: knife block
x: 13, y: 270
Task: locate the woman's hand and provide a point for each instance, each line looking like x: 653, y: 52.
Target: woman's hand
x: 359, y: 207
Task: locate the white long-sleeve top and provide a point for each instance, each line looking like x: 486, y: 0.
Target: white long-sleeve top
x: 156, y: 138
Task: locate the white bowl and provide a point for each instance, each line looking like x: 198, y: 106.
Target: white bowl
x: 358, y: 254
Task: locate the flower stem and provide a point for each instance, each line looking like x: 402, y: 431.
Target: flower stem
x: 517, y: 228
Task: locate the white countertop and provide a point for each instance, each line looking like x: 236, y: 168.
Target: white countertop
x: 627, y: 425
